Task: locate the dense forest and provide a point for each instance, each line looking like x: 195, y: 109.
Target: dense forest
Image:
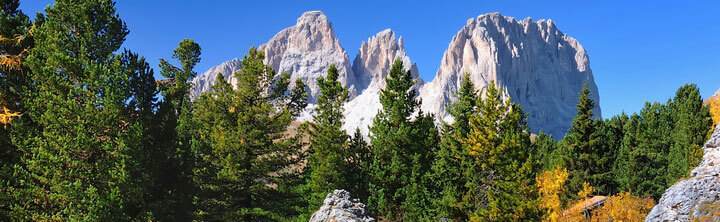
x: 87, y: 133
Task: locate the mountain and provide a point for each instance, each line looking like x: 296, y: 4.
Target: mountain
x: 697, y: 197
x: 203, y: 82
x: 304, y: 50
x: 535, y: 64
x: 541, y: 68
x: 373, y: 63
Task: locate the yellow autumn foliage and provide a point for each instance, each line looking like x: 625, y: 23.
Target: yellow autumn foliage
x: 550, y: 186
x: 6, y: 116
x: 714, y: 104
x: 624, y: 207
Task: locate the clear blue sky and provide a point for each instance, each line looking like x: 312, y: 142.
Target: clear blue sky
x: 640, y: 51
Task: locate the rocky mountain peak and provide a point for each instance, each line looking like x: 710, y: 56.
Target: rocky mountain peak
x: 371, y: 66
x: 540, y: 67
x: 536, y: 65
x: 376, y: 56
x: 306, y: 50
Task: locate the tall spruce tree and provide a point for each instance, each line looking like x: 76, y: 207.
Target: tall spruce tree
x: 80, y: 161
x: 447, y: 171
x: 245, y: 158
x: 691, y: 121
x: 328, y: 142
x: 499, y: 141
x: 582, y: 146
x: 399, y: 143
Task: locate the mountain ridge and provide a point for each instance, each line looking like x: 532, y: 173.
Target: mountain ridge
x: 538, y: 66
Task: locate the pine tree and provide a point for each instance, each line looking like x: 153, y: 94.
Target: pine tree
x: 245, y: 159
x: 546, y: 153
x: 398, y: 142
x: 360, y: 157
x: 502, y: 184
x: 582, y: 144
x: 451, y: 159
x: 172, y: 187
x: 327, y: 163
x: 650, y: 156
x: 611, y: 133
x: 80, y: 161
x: 691, y: 121
x: 624, y: 162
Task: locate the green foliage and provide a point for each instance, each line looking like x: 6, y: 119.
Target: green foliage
x: 14, y: 25
x: 691, y: 121
x: 398, y: 142
x: 359, y: 160
x: 503, y: 181
x: 582, y: 147
x: 82, y: 159
x: 245, y: 161
x: 650, y: 156
x: 327, y: 163
x: 170, y: 158
x: 451, y: 160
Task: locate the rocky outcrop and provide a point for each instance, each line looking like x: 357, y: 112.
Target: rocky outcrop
x: 373, y: 63
x: 338, y: 207
x: 695, y: 197
x: 306, y: 50
x: 540, y: 67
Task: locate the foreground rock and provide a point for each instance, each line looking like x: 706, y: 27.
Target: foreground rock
x: 698, y: 197
x: 338, y: 207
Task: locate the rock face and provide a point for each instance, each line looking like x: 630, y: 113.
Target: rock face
x: 338, y: 207
x: 694, y: 197
x: 540, y: 67
x: 373, y: 63
x: 306, y: 50
x: 204, y: 82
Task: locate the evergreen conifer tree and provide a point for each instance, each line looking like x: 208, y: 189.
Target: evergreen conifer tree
x: 691, y: 121
x: 503, y: 181
x: 327, y: 163
x: 398, y: 142
x: 447, y: 172
x: 172, y: 186
x: 582, y: 146
x: 360, y: 157
x: 81, y: 159
x: 650, y: 156
x: 245, y: 159
x: 15, y: 42
x: 624, y: 162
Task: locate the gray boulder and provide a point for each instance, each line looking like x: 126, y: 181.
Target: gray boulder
x: 338, y: 207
